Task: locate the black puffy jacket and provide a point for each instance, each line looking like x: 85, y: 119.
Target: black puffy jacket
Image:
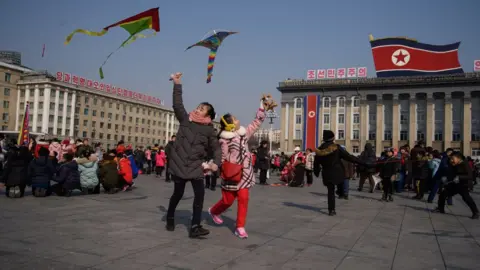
x: 40, y: 172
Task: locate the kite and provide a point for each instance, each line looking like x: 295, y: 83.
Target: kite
x: 212, y: 42
x: 134, y: 25
x: 43, y: 51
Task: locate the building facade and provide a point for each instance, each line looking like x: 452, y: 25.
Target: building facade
x: 444, y: 111
x: 9, y: 76
x: 61, y: 110
x: 263, y: 134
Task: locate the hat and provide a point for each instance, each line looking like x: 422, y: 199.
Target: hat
x: 328, y: 135
x: 297, y: 149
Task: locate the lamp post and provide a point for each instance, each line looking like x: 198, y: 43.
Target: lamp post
x: 271, y: 115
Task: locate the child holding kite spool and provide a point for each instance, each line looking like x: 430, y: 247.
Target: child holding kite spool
x: 237, y: 171
x: 196, y: 140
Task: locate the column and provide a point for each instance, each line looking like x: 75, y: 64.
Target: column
x: 64, y: 117
x: 167, y: 129
x: 430, y: 136
x: 294, y: 118
x: 363, y: 121
x: 55, y: 114
x: 320, y: 121
x: 380, y: 126
x: 284, y: 126
x: 396, y: 121
x: 448, y: 125
x: 72, y: 114
x: 467, y: 124
x: 333, y: 116
x: 291, y: 126
x: 17, y: 113
x: 46, y: 109
x: 412, y: 133
x: 35, y: 108
x: 348, y: 122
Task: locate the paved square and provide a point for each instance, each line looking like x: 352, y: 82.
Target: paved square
x: 288, y: 229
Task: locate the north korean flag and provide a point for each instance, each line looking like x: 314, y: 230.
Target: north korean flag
x: 406, y: 57
x: 310, y: 121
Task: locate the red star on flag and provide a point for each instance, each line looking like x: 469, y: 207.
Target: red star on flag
x: 401, y: 57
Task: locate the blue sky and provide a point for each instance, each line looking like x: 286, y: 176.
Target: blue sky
x: 277, y: 39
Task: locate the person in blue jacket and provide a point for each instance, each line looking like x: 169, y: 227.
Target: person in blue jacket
x: 444, y: 170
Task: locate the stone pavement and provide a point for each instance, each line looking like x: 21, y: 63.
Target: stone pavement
x: 288, y: 229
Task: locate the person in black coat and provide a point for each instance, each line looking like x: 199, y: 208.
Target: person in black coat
x: 421, y: 174
x: 388, y: 171
x: 458, y: 183
x: 367, y: 156
x: 329, y: 156
x: 40, y: 172
x: 15, y: 172
x: 67, y: 177
x: 262, y: 162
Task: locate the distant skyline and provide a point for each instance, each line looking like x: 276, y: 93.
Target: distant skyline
x: 276, y: 40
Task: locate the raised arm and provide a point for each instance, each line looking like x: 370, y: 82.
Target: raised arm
x: 178, y: 107
x: 256, y: 123
x: 351, y: 158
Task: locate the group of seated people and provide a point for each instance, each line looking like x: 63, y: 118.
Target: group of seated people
x: 22, y: 168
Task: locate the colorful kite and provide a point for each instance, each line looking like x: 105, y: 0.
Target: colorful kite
x: 212, y: 42
x: 134, y: 25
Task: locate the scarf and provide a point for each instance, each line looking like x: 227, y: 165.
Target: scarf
x: 195, y: 117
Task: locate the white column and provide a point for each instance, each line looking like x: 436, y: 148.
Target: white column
x: 287, y: 112
x: 27, y: 94
x: 294, y: 118
x: 17, y: 113
x: 35, y: 109
x: 72, y: 114
x: 55, y: 113
x: 46, y: 109
x: 64, y: 117
x: 167, y: 134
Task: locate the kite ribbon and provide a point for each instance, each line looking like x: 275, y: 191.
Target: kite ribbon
x: 86, y: 32
x: 211, y: 60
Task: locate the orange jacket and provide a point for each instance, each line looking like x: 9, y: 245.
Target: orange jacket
x: 125, y: 170
x: 120, y: 149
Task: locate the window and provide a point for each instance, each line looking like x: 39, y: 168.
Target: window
x: 403, y: 119
x: 356, y: 134
x: 298, y: 119
x: 6, y: 91
x: 94, y: 123
x: 95, y: 101
x: 51, y: 118
x: 94, y: 112
x: 341, y: 118
x: 457, y: 136
x: 403, y: 135
x: 341, y: 102
x: 109, y: 115
x: 8, y: 77
x: 298, y: 134
x: 109, y: 106
x: 85, y: 123
x: 5, y: 117
x: 438, y: 136
x: 6, y: 104
x: 326, y: 102
x: 326, y: 118
x: 387, y: 135
x: 356, y: 118
x: 420, y: 135
x: 356, y: 102
x: 475, y: 152
x: 85, y: 111
x: 102, y: 114
x: 299, y: 103
x: 356, y: 149
x: 109, y: 126
x: 86, y: 102
x: 341, y: 135
x: 372, y: 118
x: 101, y: 126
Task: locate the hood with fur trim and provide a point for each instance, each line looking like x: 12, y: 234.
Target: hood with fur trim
x: 231, y: 134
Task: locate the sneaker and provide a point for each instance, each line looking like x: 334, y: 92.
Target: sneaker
x: 170, y: 224
x: 198, y: 231
x: 332, y: 213
x: 16, y: 192
x: 437, y: 210
x: 125, y: 188
x: 384, y: 198
x: 390, y: 198
x: 241, y: 233
x: 217, y: 219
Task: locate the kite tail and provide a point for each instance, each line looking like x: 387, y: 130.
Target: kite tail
x: 211, y: 60
x: 86, y: 32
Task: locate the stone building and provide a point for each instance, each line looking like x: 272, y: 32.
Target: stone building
x: 444, y: 111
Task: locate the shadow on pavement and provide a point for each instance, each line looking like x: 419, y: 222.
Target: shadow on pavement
x: 305, y: 207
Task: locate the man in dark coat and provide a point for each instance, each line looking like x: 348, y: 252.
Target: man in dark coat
x: 262, y: 162
x: 67, y: 177
x: 329, y: 156
x: 168, y: 151
x: 40, y: 172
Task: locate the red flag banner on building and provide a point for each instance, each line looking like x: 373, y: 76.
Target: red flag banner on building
x: 407, y: 57
x: 23, y: 134
x: 310, y: 121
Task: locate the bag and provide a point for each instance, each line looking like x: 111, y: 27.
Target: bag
x: 231, y: 171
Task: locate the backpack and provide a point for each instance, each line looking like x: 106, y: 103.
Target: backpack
x: 134, y: 166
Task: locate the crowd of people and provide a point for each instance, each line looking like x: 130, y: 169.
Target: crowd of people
x: 200, y: 154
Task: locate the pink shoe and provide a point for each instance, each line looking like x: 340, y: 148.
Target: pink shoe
x: 241, y: 233
x: 125, y: 188
x: 216, y: 218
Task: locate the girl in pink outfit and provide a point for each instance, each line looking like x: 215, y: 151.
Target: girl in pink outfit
x: 56, y: 147
x: 160, y: 161
x: 233, y: 141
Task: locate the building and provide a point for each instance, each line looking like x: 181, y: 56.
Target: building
x: 11, y: 57
x: 264, y: 133
x: 60, y: 108
x: 444, y: 111
x: 9, y: 75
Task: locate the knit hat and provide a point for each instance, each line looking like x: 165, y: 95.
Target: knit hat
x: 328, y: 135
x: 297, y: 149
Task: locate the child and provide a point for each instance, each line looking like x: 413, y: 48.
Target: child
x: 310, y: 157
x: 109, y: 177
x: 148, y: 156
x: 287, y: 173
x: 195, y: 138
x: 125, y: 171
x: 67, y: 177
x: 298, y: 174
x: 388, y: 171
x: 160, y: 160
x: 40, y: 172
x: 235, y: 154
x: 88, y: 174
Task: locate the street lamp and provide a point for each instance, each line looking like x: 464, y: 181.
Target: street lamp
x: 271, y: 115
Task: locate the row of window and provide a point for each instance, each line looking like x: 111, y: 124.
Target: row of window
x: 327, y: 100
x: 326, y: 118
x: 6, y: 91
